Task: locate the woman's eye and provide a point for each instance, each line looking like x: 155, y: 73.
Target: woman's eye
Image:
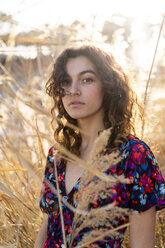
x: 87, y: 80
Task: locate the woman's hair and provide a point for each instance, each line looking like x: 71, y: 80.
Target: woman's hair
x: 119, y: 101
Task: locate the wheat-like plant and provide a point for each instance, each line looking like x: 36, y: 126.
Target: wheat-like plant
x: 24, y: 139
x: 93, y: 188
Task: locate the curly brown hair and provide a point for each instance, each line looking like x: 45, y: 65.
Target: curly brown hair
x: 119, y: 100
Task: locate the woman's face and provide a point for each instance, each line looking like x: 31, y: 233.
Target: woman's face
x: 83, y: 88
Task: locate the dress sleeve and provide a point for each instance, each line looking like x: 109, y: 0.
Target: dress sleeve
x: 147, y: 187
x: 48, y: 200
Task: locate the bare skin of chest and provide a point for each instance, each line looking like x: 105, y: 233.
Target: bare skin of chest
x: 74, y: 172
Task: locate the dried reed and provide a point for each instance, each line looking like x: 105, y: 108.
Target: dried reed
x: 22, y: 146
x: 94, y: 187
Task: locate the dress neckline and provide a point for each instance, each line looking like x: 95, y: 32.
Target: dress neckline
x: 75, y: 187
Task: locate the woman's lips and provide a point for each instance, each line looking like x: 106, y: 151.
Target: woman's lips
x: 76, y: 104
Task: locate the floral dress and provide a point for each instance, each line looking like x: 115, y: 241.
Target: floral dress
x: 147, y: 189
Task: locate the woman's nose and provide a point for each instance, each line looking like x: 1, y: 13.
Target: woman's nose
x: 74, y: 88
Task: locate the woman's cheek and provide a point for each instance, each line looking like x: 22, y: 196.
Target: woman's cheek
x: 64, y: 102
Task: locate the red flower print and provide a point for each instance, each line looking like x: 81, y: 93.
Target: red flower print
x: 60, y: 177
x: 137, y: 155
x: 47, y: 199
x: 134, y: 202
x: 50, y: 170
x: 141, y: 147
x: 131, y: 179
x: 95, y: 204
x: 70, y: 230
x: 113, y: 169
x: 149, y: 186
x: 146, y: 182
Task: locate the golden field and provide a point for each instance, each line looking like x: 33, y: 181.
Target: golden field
x: 26, y: 135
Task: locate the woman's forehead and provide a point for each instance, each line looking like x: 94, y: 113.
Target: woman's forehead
x: 79, y: 64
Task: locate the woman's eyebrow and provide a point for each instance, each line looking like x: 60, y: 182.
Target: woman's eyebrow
x: 87, y: 71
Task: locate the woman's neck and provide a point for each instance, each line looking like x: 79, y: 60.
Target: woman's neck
x: 91, y: 129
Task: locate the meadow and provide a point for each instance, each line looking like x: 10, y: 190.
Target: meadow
x: 26, y: 135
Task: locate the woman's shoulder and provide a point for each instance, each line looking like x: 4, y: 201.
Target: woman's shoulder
x: 136, y: 146
x: 137, y: 156
x: 53, y: 156
x: 133, y: 141
x: 52, y: 152
x: 147, y: 185
x: 50, y: 157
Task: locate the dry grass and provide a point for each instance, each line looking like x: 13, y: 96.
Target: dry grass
x: 25, y: 136
x: 93, y: 188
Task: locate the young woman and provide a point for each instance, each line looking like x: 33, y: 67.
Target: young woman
x: 91, y: 91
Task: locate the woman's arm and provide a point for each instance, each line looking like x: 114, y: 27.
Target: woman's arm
x: 42, y: 234
x: 142, y: 229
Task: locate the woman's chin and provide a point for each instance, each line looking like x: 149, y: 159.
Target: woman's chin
x: 76, y: 117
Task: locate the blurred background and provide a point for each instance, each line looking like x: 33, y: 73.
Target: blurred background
x: 32, y: 34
